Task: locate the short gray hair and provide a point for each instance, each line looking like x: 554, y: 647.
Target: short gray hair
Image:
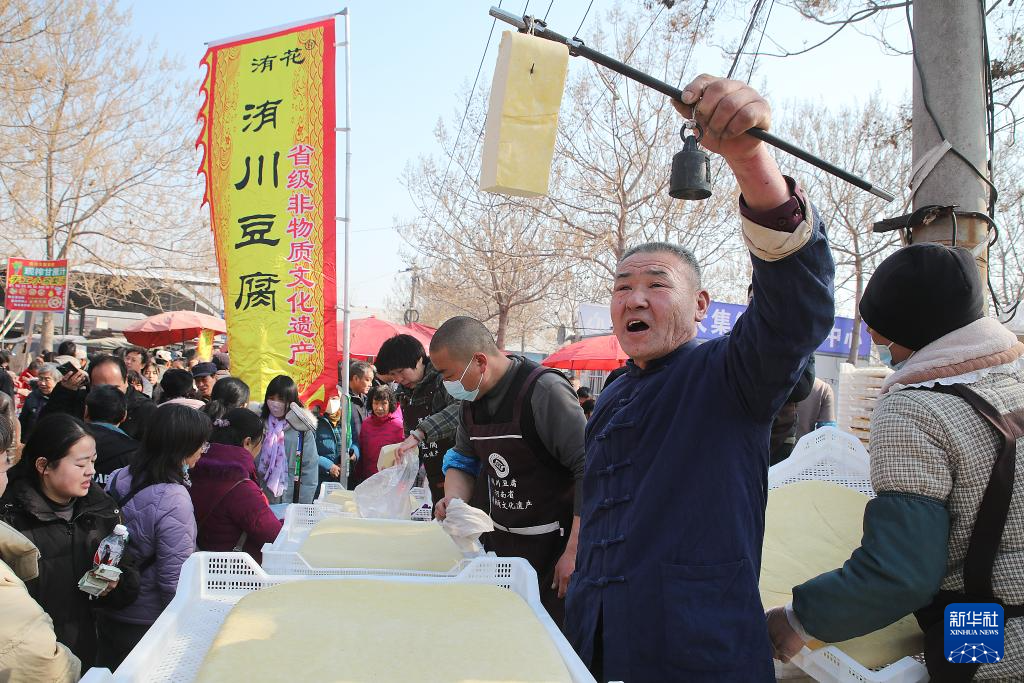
x: 360, y: 368
x: 51, y: 369
x: 680, y: 252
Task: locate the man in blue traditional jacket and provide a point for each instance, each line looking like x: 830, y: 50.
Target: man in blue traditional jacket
x: 675, y: 486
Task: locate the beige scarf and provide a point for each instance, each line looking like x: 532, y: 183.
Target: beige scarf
x: 979, y: 346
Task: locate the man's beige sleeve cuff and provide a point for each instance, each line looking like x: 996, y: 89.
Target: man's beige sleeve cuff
x: 773, y: 245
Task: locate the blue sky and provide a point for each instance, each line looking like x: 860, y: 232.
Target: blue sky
x: 411, y: 60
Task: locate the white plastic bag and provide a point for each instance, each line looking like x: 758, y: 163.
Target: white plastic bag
x: 385, y: 495
x: 464, y: 523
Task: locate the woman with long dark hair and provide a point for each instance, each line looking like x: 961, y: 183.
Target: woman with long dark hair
x: 283, y: 445
x: 228, y: 393
x: 153, y: 495
x: 231, y: 511
x: 53, y: 501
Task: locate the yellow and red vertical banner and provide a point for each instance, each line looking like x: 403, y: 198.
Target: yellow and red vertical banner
x: 204, y: 345
x: 269, y: 160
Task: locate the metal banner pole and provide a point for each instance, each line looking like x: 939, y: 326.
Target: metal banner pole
x: 346, y: 325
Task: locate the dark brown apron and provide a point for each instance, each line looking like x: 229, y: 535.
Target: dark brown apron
x: 530, y: 493
x: 431, y: 452
x: 983, y: 546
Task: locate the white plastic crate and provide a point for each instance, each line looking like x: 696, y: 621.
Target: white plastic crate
x: 833, y: 666
x: 300, y: 518
x: 418, y: 493
x: 211, y: 583
x: 282, y: 556
x: 826, y: 454
x: 327, y: 488
x: 830, y: 454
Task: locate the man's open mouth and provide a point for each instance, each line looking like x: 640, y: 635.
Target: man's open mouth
x: 637, y: 326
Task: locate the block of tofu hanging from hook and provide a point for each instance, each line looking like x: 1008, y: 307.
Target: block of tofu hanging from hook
x: 522, y: 118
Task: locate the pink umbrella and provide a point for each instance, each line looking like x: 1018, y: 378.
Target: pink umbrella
x: 425, y: 329
x: 369, y: 333
x: 171, y: 328
x: 595, y: 353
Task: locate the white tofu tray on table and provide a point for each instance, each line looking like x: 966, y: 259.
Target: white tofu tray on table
x: 174, y: 648
x: 830, y: 454
x: 420, y: 497
x: 282, y: 556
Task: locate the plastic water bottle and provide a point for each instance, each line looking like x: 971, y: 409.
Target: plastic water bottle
x: 111, y: 548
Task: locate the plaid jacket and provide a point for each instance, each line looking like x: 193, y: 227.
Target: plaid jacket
x: 924, y: 442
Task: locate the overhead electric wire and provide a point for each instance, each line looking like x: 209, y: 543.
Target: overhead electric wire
x: 587, y: 116
x: 465, y: 114
x: 693, y: 42
x: 764, y: 27
x: 549, y: 11
x: 746, y: 36
x: 580, y: 27
x: 649, y: 26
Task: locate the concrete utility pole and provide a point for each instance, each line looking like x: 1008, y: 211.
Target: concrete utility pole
x: 950, y: 56
x: 411, y: 314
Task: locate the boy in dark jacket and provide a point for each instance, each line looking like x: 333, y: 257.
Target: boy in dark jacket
x: 105, y: 410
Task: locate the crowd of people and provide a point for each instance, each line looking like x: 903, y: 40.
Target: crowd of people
x: 642, y: 509
x: 170, y: 452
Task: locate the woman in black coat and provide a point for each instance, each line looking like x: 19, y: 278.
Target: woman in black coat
x: 51, y: 499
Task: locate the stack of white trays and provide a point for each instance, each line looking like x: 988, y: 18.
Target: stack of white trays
x: 858, y: 391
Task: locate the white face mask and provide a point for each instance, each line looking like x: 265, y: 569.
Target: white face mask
x: 457, y: 390
x: 277, y: 408
x: 333, y: 405
x: 885, y: 355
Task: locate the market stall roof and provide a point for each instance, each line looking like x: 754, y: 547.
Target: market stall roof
x: 594, y: 353
x: 171, y: 328
x: 106, y: 343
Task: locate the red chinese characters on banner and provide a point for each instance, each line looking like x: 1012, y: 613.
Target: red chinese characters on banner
x: 302, y: 302
x: 36, y: 285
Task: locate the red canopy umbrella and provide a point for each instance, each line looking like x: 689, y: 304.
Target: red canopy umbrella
x: 425, y: 329
x: 369, y: 333
x: 595, y: 353
x: 172, y: 328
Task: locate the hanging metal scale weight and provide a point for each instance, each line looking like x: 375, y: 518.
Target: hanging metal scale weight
x: 691, y: 167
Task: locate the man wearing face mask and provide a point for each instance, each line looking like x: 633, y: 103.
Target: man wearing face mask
x: 947, y: 452
x: 520, y: 432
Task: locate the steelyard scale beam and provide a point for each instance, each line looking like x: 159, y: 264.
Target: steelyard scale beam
x: 578, y: 49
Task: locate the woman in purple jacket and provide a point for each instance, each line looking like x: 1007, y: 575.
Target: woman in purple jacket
x: 154, y: 499
x: 231, y: 511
